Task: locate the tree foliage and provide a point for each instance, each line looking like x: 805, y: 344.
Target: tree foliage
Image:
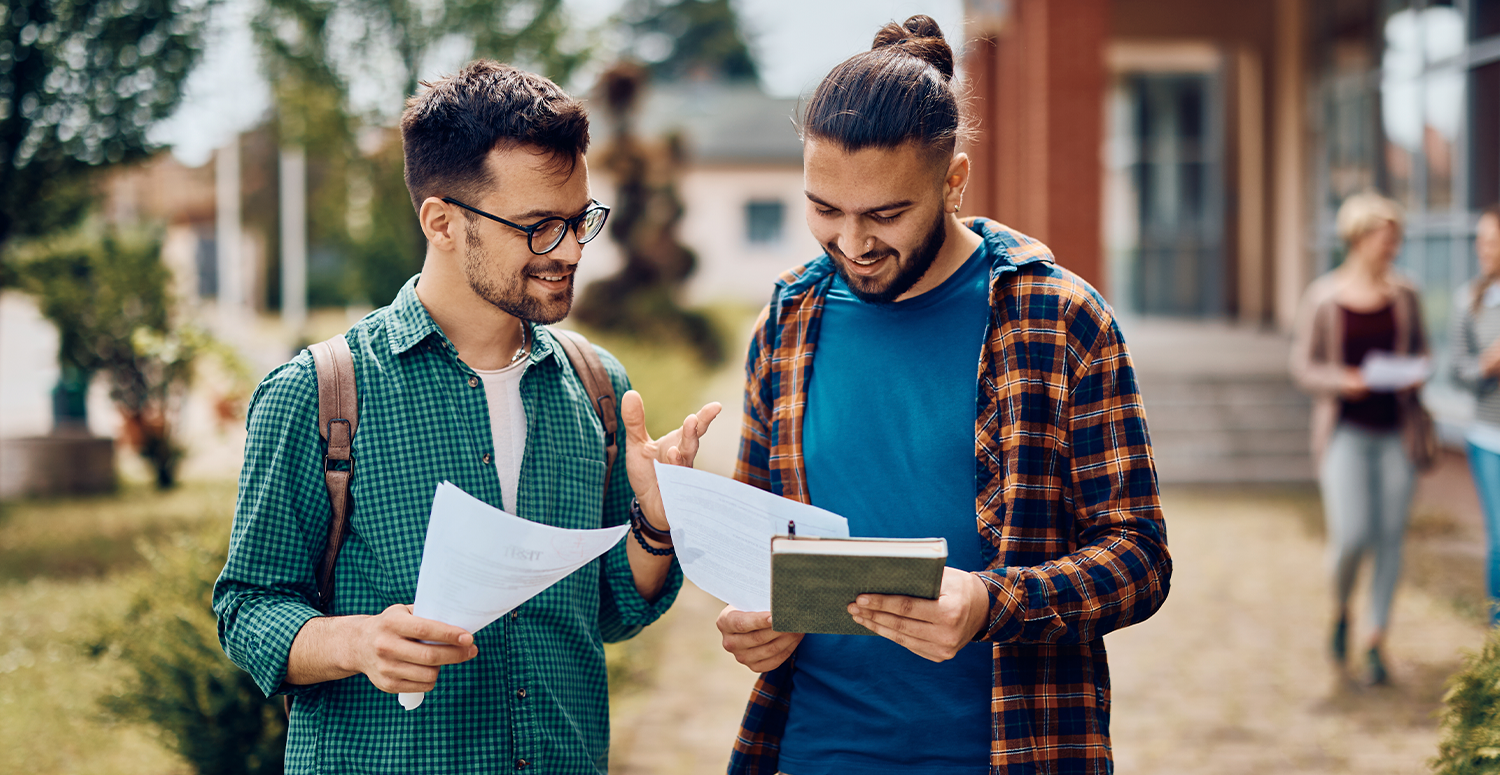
x: 180, y: 682
x: 642, y: 296
x: 110, y: 297
x: 81, y: 82
x: 1471, y: 716
x: 689, y: 40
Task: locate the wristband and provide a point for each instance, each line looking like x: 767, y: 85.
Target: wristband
x: 639, y: 525
x: 638, y: 517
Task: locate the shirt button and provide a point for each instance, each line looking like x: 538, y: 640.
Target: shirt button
x: 521, y: 693
x: 521, y: 764
x: 486, y: 458
x: 515, y: 614
x: 473, y: 382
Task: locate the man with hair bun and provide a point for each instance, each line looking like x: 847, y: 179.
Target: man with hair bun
x: 931, y: 376
x: 458, y: 380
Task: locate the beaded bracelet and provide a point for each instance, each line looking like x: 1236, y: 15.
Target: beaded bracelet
x: 637, y: 520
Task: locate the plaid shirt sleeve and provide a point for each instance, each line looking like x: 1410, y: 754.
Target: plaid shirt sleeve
x: 753, y: 467
x: 1117, y: 572
x: 263, y: 596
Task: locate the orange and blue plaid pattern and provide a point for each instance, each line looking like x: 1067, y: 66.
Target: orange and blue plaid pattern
x: 1066, y: 502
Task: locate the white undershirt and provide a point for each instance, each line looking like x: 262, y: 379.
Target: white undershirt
x: 502, y: 391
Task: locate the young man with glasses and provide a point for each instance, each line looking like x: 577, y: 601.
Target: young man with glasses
x: 931, y: 376
x: 458, y: 381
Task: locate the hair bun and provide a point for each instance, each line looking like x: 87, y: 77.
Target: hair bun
x: 920, y: 37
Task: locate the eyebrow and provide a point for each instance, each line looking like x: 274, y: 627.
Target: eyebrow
x: 888, y: 206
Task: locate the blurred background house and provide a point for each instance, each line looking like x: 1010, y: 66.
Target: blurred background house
x: 1188, y: 158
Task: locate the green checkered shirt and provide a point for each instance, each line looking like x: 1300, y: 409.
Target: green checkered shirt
x: 536, y: 698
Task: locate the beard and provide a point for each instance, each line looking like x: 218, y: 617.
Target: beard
x: 508, y: 292
x: 909, y: 270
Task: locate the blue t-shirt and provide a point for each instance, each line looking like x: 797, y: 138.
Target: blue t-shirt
x: 889, y: 444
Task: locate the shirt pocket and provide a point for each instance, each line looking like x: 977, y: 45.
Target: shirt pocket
x: 577, y: 493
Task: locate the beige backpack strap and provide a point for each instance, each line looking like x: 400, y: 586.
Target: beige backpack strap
x: 338, y: 417
x: 590, y: 368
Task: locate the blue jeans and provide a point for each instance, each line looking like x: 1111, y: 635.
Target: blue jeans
x: 1485, y: 466
x: 1366, y: 481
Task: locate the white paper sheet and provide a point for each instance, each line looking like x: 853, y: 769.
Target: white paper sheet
x: 722, y: 532
x: 479, y: 562
x: 1385, y: 372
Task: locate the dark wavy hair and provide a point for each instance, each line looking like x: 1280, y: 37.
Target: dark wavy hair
x: 899, y: 91
x: 448, y: 128
x: 1483, y: 282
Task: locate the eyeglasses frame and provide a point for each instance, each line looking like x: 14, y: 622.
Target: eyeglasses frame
x: 569, y: 224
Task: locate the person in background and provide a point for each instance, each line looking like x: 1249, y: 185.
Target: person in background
x: 1366, y: 443
x: 1474, y: 355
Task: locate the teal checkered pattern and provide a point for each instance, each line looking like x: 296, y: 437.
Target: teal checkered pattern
x: 536, y: 697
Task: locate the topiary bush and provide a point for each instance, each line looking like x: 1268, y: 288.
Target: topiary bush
x: 180, y: 682
x: 1471, y: 715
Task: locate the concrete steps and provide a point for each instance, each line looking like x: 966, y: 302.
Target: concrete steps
x: 1208, y: 430
x: 1219, y: 404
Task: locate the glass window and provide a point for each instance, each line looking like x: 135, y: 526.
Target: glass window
x: 1484, y: 136
x: 1443, y: 112
x: 1484, y: 19
x: 1350, y: 137
x: 763, y: 220
x: 1401, y: 104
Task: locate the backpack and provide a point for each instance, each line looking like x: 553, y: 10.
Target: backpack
x: 338, y: 418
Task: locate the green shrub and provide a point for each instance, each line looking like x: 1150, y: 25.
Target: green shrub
x: 1471, y: 715
x: 205, y: 708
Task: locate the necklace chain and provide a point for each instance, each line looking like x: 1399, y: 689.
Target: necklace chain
x: 522, y: 350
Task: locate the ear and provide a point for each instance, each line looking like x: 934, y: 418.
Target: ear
x: 954, y: 181
x: 441, y: 223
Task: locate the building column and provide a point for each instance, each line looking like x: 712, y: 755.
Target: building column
x: 293, y: 239
x: 229, y: 239
x: 1037, y: 92
x: 1289, y: 185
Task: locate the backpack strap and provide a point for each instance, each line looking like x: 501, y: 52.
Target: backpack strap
x: 590, y: 369
x: 338, y: 416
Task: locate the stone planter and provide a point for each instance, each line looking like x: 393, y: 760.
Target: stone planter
x: 56, y: 465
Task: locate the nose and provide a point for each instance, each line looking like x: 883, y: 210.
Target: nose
x: 569, y: 251
x: 852, y: 239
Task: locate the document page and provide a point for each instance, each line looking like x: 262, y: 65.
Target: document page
x: 1385, y: 372
x: 479, y: 562
x: 722, y: 531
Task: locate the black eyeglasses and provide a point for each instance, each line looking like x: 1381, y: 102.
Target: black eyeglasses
x: 546, y: 234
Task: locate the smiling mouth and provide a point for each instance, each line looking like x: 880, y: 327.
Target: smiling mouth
x: 557, y: 275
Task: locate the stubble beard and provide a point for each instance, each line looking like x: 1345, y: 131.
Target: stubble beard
x: 508, y: 294
x: 907, y: 274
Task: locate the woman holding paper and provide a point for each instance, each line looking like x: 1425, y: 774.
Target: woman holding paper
x: 1474, y: 350
x: 1369, y: 431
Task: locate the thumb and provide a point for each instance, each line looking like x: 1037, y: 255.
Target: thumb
x: 633, y: 412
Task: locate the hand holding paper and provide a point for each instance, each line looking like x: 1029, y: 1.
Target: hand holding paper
x: 1385, y: 372
x: 479, y: 562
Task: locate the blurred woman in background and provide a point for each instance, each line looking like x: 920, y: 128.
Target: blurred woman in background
x: 1367, y: 442
x: 1474, y: 348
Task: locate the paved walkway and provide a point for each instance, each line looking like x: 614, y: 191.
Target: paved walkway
x: 1229, y: 677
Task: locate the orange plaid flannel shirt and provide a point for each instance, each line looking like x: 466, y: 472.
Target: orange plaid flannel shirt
x: 1066, y: 506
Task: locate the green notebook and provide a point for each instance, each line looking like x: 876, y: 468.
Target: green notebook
x: 813, y: 579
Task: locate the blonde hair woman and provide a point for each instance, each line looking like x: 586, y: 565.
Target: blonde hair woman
x: 1366, y: 442
x: 1474, y: 349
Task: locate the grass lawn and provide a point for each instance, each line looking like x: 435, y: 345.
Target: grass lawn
x: 68, y: 568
